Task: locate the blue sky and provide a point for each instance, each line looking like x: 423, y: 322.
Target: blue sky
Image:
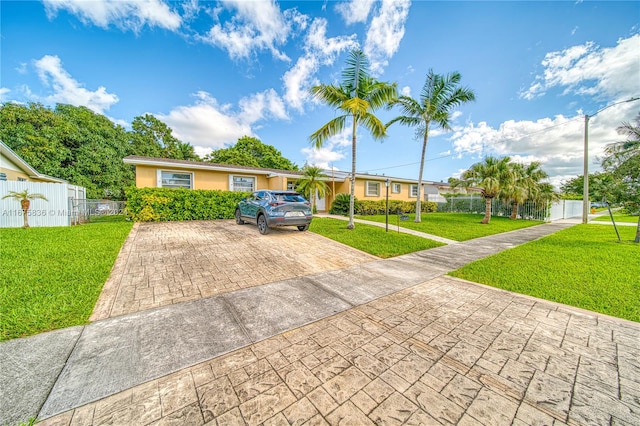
x: 215, y: 71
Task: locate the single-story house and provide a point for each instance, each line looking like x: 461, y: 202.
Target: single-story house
x: 17, y: 175
x: 169, y: 173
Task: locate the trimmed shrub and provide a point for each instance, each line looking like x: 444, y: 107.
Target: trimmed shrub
x: 340, y: 204
x: 169, y: 204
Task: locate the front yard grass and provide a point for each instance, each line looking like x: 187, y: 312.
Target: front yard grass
x: 454, y: 226
x: 371, y: 239
x: 618, y: 217
x: 583, y: 266
x: 51, y: 278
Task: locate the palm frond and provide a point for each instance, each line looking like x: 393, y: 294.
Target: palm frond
x: 332, y: 128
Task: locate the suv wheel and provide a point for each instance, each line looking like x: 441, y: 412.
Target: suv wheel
x: 239, y: 220
x: 303, y: 228
x: 262, y: 225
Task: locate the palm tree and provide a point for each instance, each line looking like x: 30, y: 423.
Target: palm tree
x: 623, y: 161
x: 311, y: 184
x: 357, y: 97
x: 25, y: 201
x: 440, y: 94
x: 491, y: 175
x: 524, y: 184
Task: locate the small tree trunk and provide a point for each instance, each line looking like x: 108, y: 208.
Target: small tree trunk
x: 514, y: 211
x: 637, y: 240
x: 487, y: 211
x: 352, y: 203
x: 25, y: 208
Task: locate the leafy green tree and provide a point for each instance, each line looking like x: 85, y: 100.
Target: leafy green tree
x: 312, y: 183
x: 491, y: 175
x: 439, y: 96
x: 622, y: 160
x: 25, y: 202
x: 151, y: 137
x: 251, y: 152
x: 357, y: 97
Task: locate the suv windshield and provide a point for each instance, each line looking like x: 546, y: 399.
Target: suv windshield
x: 289, y: 198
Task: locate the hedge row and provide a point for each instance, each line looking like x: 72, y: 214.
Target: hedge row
x: 368, y: 207
x: 167, y: 204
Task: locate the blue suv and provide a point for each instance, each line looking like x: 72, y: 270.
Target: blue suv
x: 274, y: 208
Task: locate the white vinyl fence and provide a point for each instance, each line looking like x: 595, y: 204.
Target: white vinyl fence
x: 545, y: 212
x: 56, y: 211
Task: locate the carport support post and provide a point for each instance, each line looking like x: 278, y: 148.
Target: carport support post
x: 386, y: 210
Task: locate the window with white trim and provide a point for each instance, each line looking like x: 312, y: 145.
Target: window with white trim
x: 170, y: 179
x: 372, y: 189
x: 242, y: 183
x: 413, y: 191
x: 291, y: 185
x: 396, y: 188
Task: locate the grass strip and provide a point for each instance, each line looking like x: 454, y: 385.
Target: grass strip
x: 51, y: 278
x: 618, y: 218
x: 454, y: 226
x: 583, y: 266
x: 371, y: 239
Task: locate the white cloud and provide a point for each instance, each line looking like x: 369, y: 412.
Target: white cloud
x: 319, y: 50
x: 354, y: 11
x: 124, y: 14
x: 67, y: 90
x: 3, y: 94
x: 405, y: 91
x: 256, y: 25
x: 208, y: 125
x: 558, y: 143
x: 262, y: 105
x: 590, y: 70
x: 334, y: 149
x: 385, y: 33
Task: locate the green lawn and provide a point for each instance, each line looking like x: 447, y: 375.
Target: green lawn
x: 371, y: 239
x: 51, y: 278
x: 454, y: 226
x: 618, y: 218
x: 583, y: 266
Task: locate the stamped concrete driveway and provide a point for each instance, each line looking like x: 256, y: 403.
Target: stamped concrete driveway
x: 172, y: 262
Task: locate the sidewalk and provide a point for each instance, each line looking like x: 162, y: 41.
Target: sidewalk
x: 389, y: 341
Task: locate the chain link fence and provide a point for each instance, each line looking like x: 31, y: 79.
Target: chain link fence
x: 87, y: 210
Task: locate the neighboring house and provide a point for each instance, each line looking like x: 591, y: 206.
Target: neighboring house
x: 14, y: 168
x: 168, y: 173
x: 17, y: 175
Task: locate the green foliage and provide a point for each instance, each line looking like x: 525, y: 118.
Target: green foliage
x: 51, y: 278
x: 340, y: 204
x: 312, y: 183
x: 371, y: 239
x: 85, y: 148
x: 251, y: 152
x: 370, y: 207
x: 583, y: 266
x: 168, y: 204
x: 152, y: 138
x: 456, y: 226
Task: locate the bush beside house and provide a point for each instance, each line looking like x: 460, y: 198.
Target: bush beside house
x: 340, y: 206
x: 167, y: 204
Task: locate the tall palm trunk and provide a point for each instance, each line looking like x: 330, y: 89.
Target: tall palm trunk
x: 25, y: 208
x: 418, y: 204
x: 352, y: 203
x: 514, y: 211
x: 637, y: 240
x: 487, y: 210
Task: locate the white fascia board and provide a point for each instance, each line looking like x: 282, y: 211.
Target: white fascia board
x: 173, y: 165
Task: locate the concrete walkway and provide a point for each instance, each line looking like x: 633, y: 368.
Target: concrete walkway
x: 385, y: 342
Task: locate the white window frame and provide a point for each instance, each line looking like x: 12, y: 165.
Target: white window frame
x: 160, y: 183
x: 369, y: 193
x: 396, y: 188
x: 291, y: 185
x: 232, y: 186
x: 413, y: 190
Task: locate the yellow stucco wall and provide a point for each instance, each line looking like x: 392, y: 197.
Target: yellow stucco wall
x: 146, y: 177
